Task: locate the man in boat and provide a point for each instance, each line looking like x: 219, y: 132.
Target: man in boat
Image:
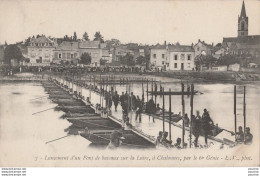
x: 115, y: 140
x: 186, y: 120
x: 248, y: 136
x: 196, y: 127
x: 158, y: 109
x: 206, y: 123
x: 165, y: 141
x: 177, y: 144
x: 240, y: 134
x: 115, y: 99
x: 159, y: 138
x: 139, y: 110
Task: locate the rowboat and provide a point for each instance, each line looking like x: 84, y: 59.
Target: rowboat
x: 131, y: 139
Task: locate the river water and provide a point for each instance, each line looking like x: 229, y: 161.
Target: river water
x: 25, y: 135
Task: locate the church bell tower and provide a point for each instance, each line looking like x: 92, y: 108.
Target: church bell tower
x: 242, y: 22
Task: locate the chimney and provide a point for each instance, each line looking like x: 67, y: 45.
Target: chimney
x: 165, y: 43
x: 199, y: 40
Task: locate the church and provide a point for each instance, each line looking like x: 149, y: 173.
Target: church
x: 243, y: 44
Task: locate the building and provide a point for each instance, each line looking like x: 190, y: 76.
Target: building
x: 93, y: 48
x: 180, y: 57
x: 2, y: 54
x: 158, y: 57
x: 219, y: 52
x: 40, y: 50
x: 242, y: 22
x: 243, y: 44
x: 106, y: 55
x: 66, y: 52
x: 120, y: 51
x: 202, y: 48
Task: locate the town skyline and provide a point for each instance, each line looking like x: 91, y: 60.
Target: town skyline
x: 150, y: 28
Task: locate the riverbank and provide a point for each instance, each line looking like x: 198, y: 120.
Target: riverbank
x: 203, y: 77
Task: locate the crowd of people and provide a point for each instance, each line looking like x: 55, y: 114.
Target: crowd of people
x: 201, y: 125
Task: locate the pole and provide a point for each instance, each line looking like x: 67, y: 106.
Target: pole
x: 155, y: 85
x: 235, y: 109
x: 163, y: 112
x: 152, y: 88
x: 191, y: 112
x: 244, y: 111
x: 142, y: 89
x: 147, y: 87
x: 131, y: 103
x: 170, y: 115
x: 183, y: 112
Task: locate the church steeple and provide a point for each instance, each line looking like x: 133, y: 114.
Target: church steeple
x: 242, y: 22
x: 243, y: 10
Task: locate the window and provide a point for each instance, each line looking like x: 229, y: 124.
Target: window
x: 63, y: 55
x: 175, y: 57
x: 60, y: 56
x: 242, y: 27
x: 189, y: 57
x: 163, y: 62
x: 71, y: 55
x: 162, y: 55
x: 182, y: 56
x: 154, y: 55
x: 175, y: 65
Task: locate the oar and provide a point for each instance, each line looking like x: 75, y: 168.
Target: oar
x: 58, y: 139
x: 227, y: 131
x: 40, y: 97
x: 43, y: 110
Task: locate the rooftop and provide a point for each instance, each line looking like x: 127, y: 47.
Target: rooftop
x: 66, y: 45
x: 180, y: 48
x: 89, y: 44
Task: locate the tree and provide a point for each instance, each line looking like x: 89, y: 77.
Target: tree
x: 98, y: 37
x: 140, y: 60
x: 128, y: 60
x: 227, y: 60
x: 85, y: 36
x: 205, y: 60
x: 103, y: 62
x: 75, y: 36
x: 12, y: 52
x: 85, y: 58
x: 66, y: 38
x: 27, y: 41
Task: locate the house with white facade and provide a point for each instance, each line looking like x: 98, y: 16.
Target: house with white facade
x: 180, y: 57
x: 158, y: 57
x: 93, y: 48
x: 202, y: 48
x: 40, y: 50
x: 66, y: 51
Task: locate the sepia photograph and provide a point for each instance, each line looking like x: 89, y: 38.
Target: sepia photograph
x: 141, y: 83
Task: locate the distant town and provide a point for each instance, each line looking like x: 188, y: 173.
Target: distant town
x: 241, y: 53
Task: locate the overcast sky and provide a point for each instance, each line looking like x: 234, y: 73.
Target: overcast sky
x: 147, y: 22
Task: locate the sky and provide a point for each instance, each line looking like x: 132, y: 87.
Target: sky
x: 144, y: 21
